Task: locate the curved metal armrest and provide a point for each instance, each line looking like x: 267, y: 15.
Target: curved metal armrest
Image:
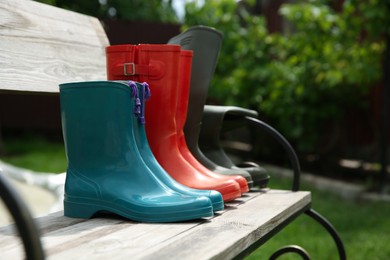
x: 23, y: 220
x: 296, y: 182
x: 284, y: 143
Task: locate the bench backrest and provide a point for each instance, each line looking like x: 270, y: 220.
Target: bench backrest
x: 42, y: 46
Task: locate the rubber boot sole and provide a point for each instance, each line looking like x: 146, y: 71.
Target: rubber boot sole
x: 87, y: 208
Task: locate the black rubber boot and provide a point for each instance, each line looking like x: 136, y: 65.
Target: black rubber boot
x: 209, y: 141
x: 205, y: 42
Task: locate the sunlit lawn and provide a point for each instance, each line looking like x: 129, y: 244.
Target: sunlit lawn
x: 364, y: 226
x: 35, y: 154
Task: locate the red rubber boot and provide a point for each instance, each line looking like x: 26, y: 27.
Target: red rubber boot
x: 181, y: 115
x: 158, y: 65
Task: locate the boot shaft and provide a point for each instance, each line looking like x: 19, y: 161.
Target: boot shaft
x: 184, y: 89
x: 96, y: 118
x: 205, y: 42
x: 158, y: 65
x: 151, y: 63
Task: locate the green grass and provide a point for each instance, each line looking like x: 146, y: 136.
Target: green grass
x: 362, y: 225
x: 36, y: 154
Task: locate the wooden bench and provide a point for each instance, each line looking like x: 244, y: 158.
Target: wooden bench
x: 42, y: 46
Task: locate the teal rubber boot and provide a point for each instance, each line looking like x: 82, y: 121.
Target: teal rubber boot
x: 151, y: 161
x: 105, y: 170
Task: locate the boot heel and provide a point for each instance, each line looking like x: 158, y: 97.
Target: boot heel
x: 79, y: 210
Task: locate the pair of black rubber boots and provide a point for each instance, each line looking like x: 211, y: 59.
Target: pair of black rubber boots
x: 204, y: 122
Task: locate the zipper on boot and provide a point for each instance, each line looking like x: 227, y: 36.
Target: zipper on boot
x: 139, y: 109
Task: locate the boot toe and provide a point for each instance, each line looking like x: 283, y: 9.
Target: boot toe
x: 229, y: 189
x: 173, y: 208
x: 242, y: 182
x: 216, y: 200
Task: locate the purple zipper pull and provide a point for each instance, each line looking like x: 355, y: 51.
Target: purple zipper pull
x: 147, y: 93
x: 134, y: 93
x: 145, y: 96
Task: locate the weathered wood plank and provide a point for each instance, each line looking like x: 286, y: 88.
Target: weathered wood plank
x: 124, y: 242
x: 42, y: 46
x: 226, y: 236
x: 244, y: 222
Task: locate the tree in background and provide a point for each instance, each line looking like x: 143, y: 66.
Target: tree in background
x: 130, y: 10
x: 323, y: 63
x: 302, y: 79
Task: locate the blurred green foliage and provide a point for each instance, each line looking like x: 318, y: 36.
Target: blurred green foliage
x: 130, y: 10
x: 35, y: 152
x: 301, y: 80
x: 305, y: 77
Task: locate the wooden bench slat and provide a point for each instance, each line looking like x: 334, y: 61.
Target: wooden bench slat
x: 224, y: 236
x: 49, y: 46
x: 228, y: 235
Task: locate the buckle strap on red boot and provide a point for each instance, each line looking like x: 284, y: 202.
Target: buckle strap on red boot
x: 155, y: 69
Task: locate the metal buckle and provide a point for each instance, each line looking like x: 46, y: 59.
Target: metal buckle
x: 125, y: 69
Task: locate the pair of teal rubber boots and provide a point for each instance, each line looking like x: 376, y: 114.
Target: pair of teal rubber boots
x: 110, y: 165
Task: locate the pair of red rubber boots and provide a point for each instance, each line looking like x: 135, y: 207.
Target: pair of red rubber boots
x: 167, y: 70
